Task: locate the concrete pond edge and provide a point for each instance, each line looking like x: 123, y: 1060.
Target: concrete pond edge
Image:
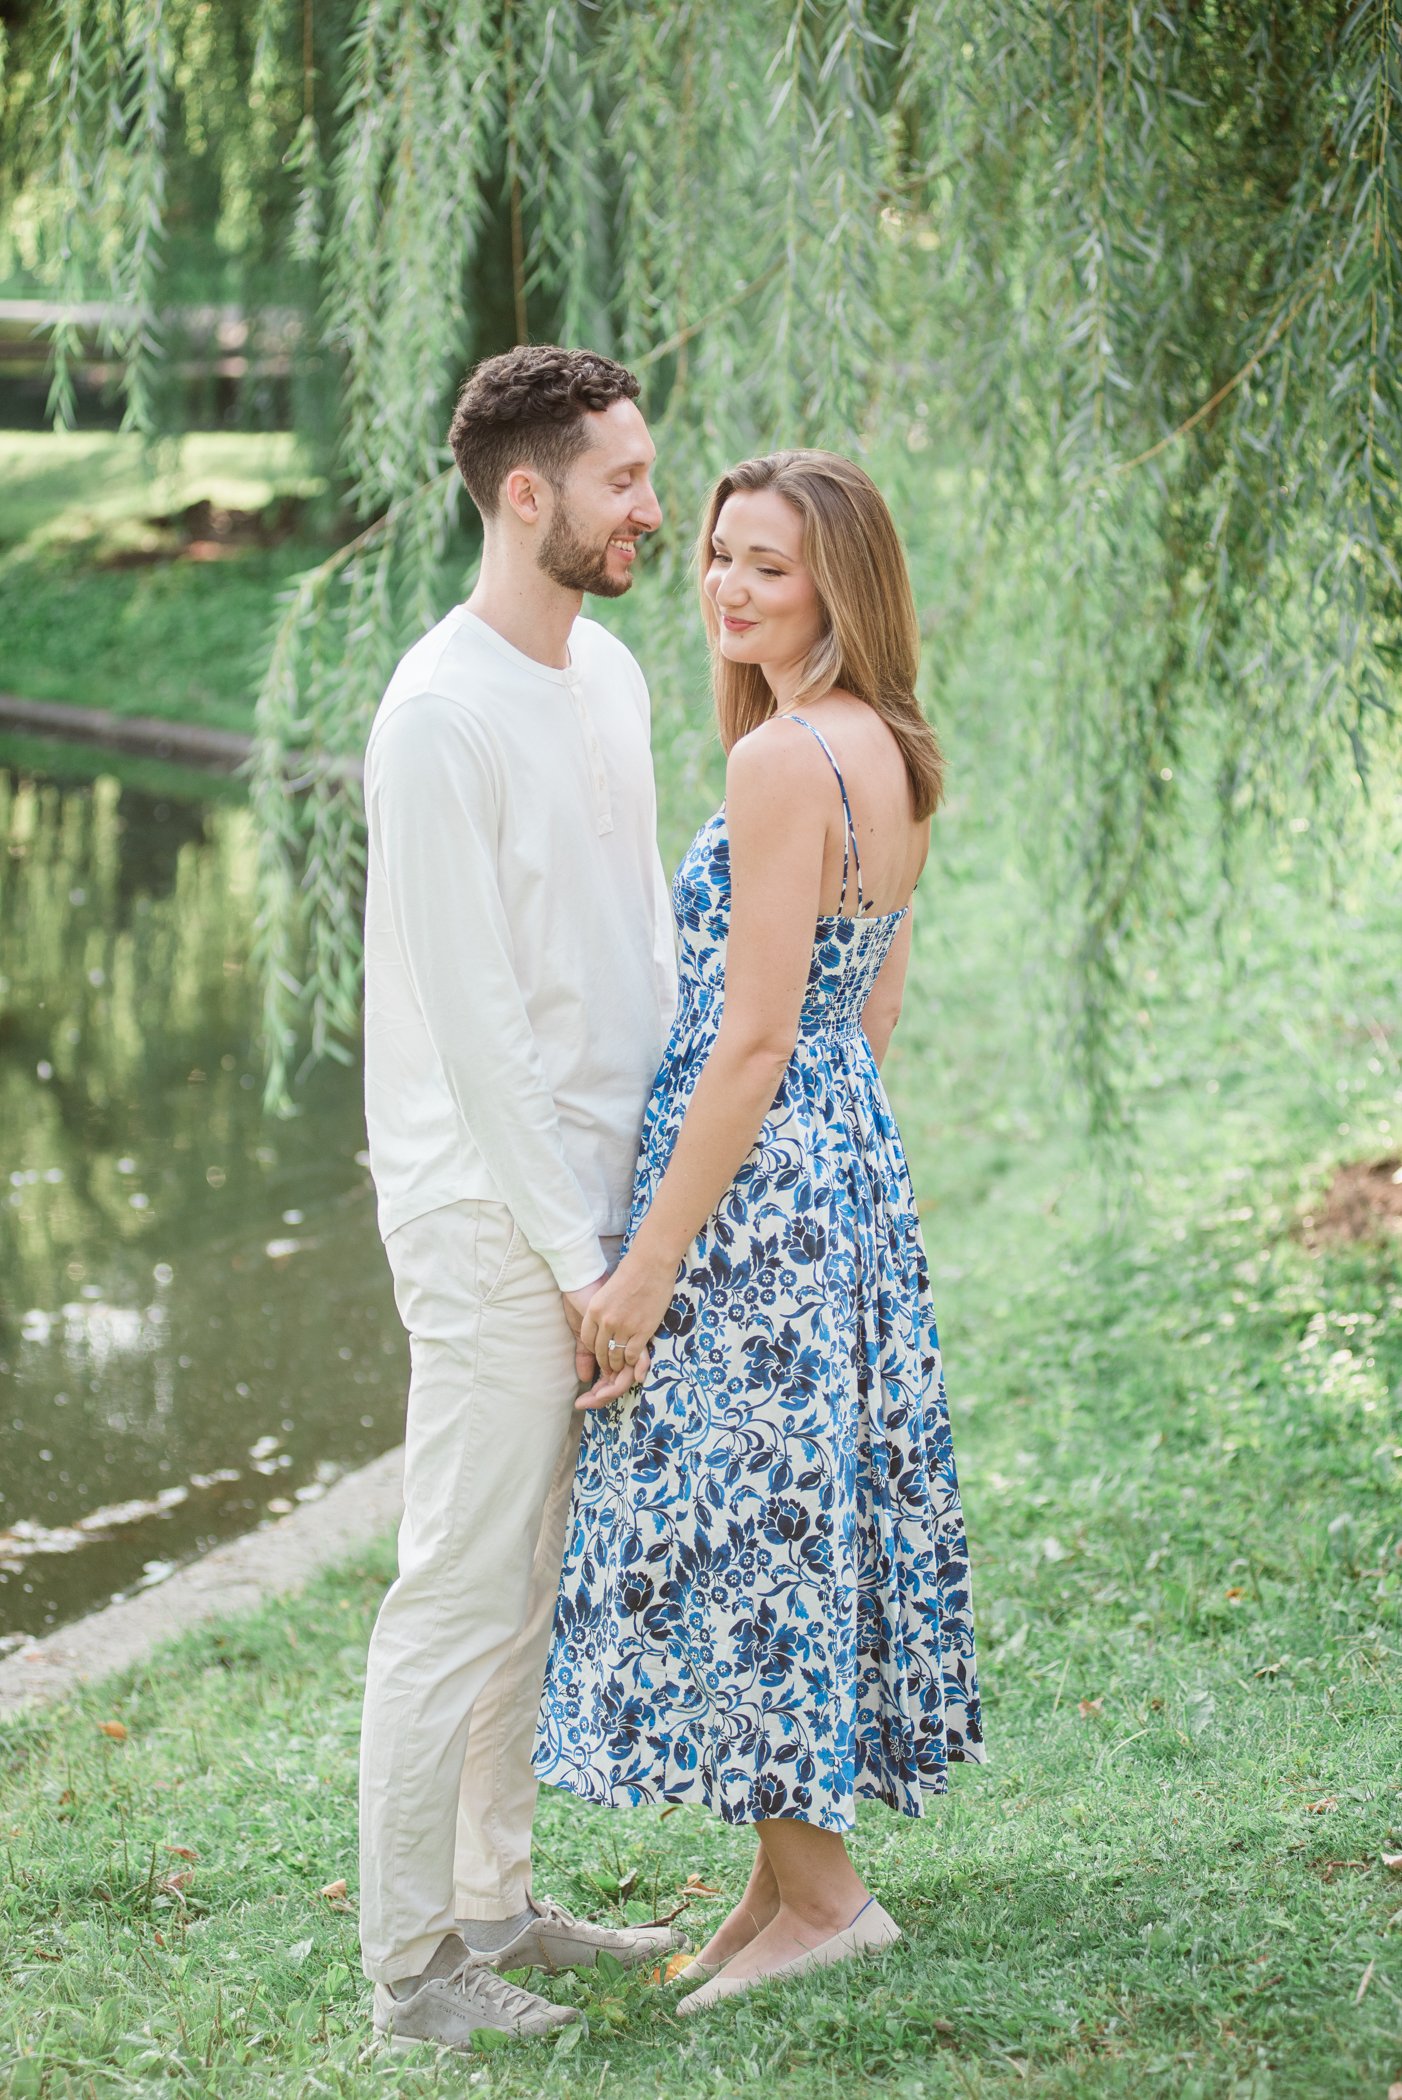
x: 230, y: 1578
x: 192, y: 743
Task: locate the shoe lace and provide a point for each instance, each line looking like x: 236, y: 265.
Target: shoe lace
x: 475, y: 1980
x: 555, y: 1914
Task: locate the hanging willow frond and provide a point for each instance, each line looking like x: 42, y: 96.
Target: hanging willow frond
x: 1135, y: 269
x: 148, y: 58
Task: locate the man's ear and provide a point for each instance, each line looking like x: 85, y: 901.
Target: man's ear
x: 524, y: 491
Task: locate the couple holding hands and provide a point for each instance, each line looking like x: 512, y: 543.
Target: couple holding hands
x: 681, y: 1515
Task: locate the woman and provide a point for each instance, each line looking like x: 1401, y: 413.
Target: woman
x: 765, y: 1600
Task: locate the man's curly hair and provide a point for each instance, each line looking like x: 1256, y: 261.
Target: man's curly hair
x: 526, y: 408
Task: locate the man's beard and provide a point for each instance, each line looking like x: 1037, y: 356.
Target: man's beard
x: 569, y: 560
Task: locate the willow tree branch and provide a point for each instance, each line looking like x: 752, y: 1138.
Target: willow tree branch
x: 685, y: 335
x: 1273, y: 336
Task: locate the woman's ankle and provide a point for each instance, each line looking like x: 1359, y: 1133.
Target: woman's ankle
x: 824, y: 1911
x: 740, y: 1926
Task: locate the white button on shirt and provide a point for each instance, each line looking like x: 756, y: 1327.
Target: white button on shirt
x: 520, y: 964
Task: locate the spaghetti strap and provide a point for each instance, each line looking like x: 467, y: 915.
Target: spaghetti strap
x: 849, y: 833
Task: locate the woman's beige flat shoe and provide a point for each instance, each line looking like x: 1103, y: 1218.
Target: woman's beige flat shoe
x: 694, y: 1971
x: 870, y: 1931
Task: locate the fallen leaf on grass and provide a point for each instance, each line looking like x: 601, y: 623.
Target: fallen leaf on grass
x: 42, y: 1954
x: 172, y: 1884
x: 1367, y: 1979
x: 114, y: 1729
x: 1234, y: 1595
x: 1089, y: 1707
x: 1393, y: 1862
x: 673, y: 1968
x: 695, y: 1886
x: 334, y: 1891
x: 182, y: 1851
x: 943, y: 2026
x: 1321, y: 1808
x: 1328, y: 1868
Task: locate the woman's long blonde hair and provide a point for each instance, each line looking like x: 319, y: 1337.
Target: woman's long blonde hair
x: 870, y: 644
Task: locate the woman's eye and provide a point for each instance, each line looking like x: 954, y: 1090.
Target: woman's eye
x: 719, y: 560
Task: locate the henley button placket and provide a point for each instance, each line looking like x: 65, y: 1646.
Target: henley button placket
x: 603, y: 807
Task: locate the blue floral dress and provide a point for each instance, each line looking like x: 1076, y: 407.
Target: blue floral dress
x: 764, y: 1604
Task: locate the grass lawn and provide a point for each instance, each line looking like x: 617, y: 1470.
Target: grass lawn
x: 92, y: 607
x: 1177, y: 1416
x: 1180, y: 1444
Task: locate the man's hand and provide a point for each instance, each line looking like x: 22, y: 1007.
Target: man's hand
x: 576, y: 1305
x: 621, y: 1318
x: 577, y: 1302
x: 617, y: 1383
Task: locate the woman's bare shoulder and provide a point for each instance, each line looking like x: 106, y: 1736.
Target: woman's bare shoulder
x: 778, y: 751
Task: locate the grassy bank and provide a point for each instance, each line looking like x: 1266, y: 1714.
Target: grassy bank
x: 115, y: 594
x: 1180, y: 1447
x: 1170, y: 1880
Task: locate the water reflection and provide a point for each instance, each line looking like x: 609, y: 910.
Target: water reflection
x: 195, y: 1319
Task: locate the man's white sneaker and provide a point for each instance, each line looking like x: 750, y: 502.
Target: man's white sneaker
x: 458, y: 1994
x: 554, y: 1940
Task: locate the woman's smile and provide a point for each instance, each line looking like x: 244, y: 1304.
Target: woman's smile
x: 756, y: 558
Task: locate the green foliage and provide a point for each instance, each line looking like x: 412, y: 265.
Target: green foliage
x: 98, y: 605
x: 1178, y: 275
x: 1139, y: 267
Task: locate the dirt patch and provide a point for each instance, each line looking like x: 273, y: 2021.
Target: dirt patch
x: 205, y: 531
x: 1363, y: 1202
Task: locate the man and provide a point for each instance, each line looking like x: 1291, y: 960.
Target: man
x: 520, y: 976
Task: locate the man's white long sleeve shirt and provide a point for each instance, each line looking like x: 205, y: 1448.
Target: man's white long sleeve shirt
x: 520, y: 962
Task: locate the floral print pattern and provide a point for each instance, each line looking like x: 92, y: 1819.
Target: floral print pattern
x: 764, y: 1604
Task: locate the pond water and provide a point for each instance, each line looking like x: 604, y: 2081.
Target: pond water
x: 196, y: 1323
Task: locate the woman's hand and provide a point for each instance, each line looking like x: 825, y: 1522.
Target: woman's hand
x: 627, y: 1309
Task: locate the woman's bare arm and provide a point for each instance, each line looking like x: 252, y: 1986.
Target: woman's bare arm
x: 777, y: 816
x: 777, y: 820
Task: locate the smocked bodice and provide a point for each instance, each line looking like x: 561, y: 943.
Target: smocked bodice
x: 847, y: 955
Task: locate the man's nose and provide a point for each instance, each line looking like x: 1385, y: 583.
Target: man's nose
x: 647, y: 511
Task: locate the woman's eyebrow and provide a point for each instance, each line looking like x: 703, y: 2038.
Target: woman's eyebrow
x: 717, y: 541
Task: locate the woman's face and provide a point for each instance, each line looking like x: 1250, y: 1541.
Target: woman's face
x: 765, y: 599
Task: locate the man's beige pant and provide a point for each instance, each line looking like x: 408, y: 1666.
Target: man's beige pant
x: 457, y: 1657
